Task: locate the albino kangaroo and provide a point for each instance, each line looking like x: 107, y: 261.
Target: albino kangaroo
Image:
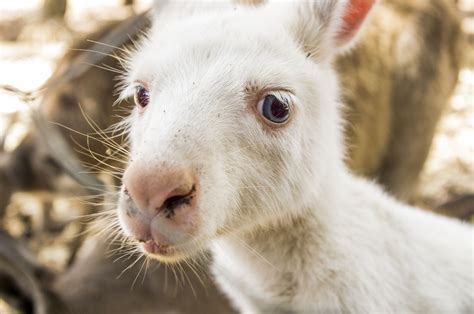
x: 236, y: 144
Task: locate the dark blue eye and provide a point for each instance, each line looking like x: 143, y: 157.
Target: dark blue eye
x: 142, y: 96
x: 274, y: 109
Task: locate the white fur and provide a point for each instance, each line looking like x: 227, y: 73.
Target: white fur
x: 290, y: 228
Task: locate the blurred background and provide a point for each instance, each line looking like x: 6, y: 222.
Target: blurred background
x: 48, y: 218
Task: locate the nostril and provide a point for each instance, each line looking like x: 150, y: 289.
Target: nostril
x: 161, y: 191
x: 176, y: 201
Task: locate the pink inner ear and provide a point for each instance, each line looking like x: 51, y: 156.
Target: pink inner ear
x: 355, y: 14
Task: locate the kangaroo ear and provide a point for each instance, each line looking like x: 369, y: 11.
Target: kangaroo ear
x: 354, y: 15
x: 168, y: 9
x: 324, y: 27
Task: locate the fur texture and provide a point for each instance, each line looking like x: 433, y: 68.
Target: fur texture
x: 291, y: 229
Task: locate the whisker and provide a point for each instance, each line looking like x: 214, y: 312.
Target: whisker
x: 123, y: 49
x: 128, y: 267
x: 138, y: 274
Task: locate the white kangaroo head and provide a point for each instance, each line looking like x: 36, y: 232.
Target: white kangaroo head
x: 237, y: 121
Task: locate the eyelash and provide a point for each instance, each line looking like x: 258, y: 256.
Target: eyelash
x: 128, y: 92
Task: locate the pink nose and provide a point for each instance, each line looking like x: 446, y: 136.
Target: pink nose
x: 155, y: 190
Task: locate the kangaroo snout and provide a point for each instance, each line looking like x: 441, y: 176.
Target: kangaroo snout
x: 158, y: 205
x: 160, y: 189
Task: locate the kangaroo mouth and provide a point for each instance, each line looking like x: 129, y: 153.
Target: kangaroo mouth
x: 162, y: 252
x: 170, y: 254
x: 151, y: 247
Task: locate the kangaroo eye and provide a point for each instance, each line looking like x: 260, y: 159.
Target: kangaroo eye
x: 274, y: 109
x: 142, y: 96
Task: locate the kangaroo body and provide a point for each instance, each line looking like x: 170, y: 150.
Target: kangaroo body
x: 355, y: 251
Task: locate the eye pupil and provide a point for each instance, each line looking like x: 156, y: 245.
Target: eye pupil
x: 142, y: 96
x: 275, y: 110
